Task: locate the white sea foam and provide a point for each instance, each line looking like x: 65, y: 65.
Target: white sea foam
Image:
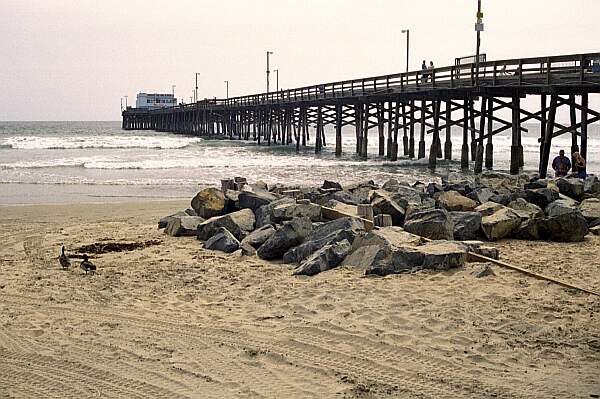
x: 96, y: 141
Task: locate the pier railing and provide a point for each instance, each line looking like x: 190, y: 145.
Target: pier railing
x: 564, y: 69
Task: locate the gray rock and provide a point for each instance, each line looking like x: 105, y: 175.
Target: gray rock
x: 483, y: 271
x: 345, y: 197
x: 388, y: 238
x: 327, y: 233
x: 560, y: 207
x: 259, y: 236
x: 481, y: 195
x: 538, y: 183
x: 453, y: 201
x: 162, y: 223
x: 238, y: 223
x: 502, y: 199
x: 180, y: 226
x: 291, y: 211
x: 385, y: 205
x: 365, y: 257
x: 232, y: 201
x: 223, y: 241
x: 435, y: 255
x: 327, y: 184
x: 591, y: 185
x: 590, y: 208
x: 488, y: 208
x: 595, y: 230
x: 571, y: 187
x: 255, y: 199
x: 435, y: 224
x: 259, y: 185
x: 209, y: 202
x: 247, y: 249
x: 566, y: 227
x: 467, y: 225
x: 264, y: 214
x: 190, y: 212
x: 541, y: 196
x: 289, y: 235
x: 326, y: 258
x: 478, y: 248
x: 500, y: 224
x: 525, y: 209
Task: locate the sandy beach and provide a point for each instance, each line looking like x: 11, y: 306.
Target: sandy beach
x: 171, y: 320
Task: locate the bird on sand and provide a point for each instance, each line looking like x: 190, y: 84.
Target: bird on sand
x: 64, y: 259
x: 87, y: 266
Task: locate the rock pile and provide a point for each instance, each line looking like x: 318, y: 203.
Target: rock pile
x: 434, y: 226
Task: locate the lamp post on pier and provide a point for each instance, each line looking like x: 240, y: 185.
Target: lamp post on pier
x: 268, y: 72
x: 407, y: 31
x: 478, y: 29
x: 196, y: 93
x: 277, y: 78
x: 227, y: 88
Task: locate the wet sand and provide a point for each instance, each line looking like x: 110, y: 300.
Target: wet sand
x: 173, y: 320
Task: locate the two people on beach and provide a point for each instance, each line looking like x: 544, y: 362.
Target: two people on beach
x: 562, y: 164
x: 424, y: 67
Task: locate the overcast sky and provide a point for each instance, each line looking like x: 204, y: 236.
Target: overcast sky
x: 75, y: 59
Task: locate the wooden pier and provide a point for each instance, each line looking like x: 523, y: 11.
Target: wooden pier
x: 398, y: 104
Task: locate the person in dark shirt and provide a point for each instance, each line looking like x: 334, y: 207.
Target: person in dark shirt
x: 425, y: 74
x: 561, y: 164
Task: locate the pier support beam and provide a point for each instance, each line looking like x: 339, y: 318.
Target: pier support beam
x: 448, y: 142
x: 422, y: 136
x: 478, y: 168
x: 515, y: 161
x: 489, y: 147
x: 364, y: 142
x: 464, y: 153
x: 390, y: 132
x: 405, y: 145
x: 548, y: 136
x: 584, y: 125
x: 380, y: 126
x: 573, y: 118
x: 395, y: 141
x: 435, y: 142
x: 338, y: 129
x: 411, y: 139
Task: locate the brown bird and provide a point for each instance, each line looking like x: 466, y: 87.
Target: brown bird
x: 64, y: 259
x: 87, y: 266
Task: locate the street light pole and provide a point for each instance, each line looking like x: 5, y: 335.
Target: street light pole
x: 478, y: 28
x: 407, y: 31
x: 196, y: 94
x: 277, y: 78
x: 268, y: 72
x: 227, y: 88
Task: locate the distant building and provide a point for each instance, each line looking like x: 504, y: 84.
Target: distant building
x: 154, y: 100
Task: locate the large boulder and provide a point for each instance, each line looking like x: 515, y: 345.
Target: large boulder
x: 259, y: 236
x: 591, y: 185
x: 344, y: 197
x: 385, y: 205
x: 500, y: 223
x: 327, y: 233
x: 453, y: 201
x: 467, y: 225
x: 481, y: 195
x: 571, y: 187
x: 388, y: 238
x: 238, y: 223
x: 525, y: 209
x: 436, y: 255
x: 561, y: 206
x: 289, y: 235
x: 541, y: 196
x: 264, y: 214
x: 435, y: 224
x: 209, y: 202
x: 326, y: 258
x: 223, y: 241
x: 590, y: 208
x: 180, y: 226
x: 291, y: 211
x: 488, y: 208
x: 162, y: 223
x: 255, y: 199
x: 328, y: 185
x: 366, y: 257
x: 566, y: 227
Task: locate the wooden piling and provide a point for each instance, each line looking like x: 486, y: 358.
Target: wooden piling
x: 448, y: 142
x: 584, y: 125
x: 422, y: 136
x: 434, y: 148
x: 479, y: 152
x: 516, y: 129
x: 464, y: 152
x: 489, y: 146
x: 547, y: 137
x: 380, y: 126
x: 573, y: 119
x: 338, y: 129
x: 411, y: 138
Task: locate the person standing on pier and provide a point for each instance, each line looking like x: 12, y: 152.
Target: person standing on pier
x: 431, y: 67
x: 424, y: 68
x: 561, y: 164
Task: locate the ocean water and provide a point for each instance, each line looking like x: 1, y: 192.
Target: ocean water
x: 65, y: 162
